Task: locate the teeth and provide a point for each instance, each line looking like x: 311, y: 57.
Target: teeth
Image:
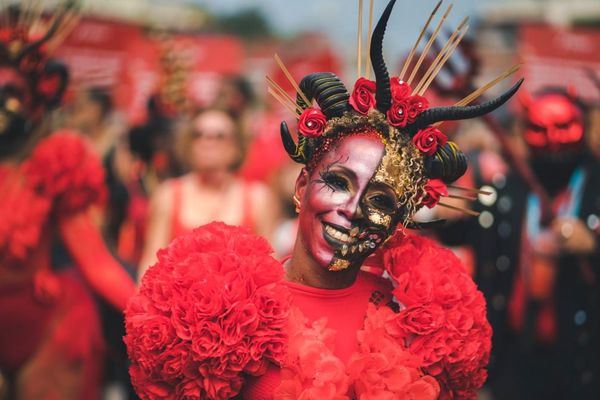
x: 344, y: 249
x: 354, y: 231
x: 353, y: 249
x: 360, y: 248
x: 341, y: 236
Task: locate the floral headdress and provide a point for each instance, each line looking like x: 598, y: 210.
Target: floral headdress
x: 404, y: 110
x: 27, y: 39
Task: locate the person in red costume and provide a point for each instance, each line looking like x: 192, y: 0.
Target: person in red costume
x: 50, y: 341
x: 217, y: 317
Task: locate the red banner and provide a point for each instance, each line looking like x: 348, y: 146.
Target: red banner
x: 122, y: 58
x: 558, y: 57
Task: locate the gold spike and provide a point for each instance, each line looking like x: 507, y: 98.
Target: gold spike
x: 455, y: 196
x: 463, y: 210
x: 475, y: 94
x: 370, y: 34
x: 429, y: 43
x: 359, y: 40
x: 291, y: 79
x: 439, y: 57
x: 68, y: 24
x: 414, y: 48
x: 472, y: 190
x: 283, y: 102
x: 444, y: 59
x: 284, y: 95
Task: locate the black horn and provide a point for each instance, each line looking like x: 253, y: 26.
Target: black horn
x: 383, y: 95
x: 329, y: 92
x: 451, y: 113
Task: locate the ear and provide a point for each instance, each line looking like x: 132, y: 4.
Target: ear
x: 301, y: 184
x: 52, y: 83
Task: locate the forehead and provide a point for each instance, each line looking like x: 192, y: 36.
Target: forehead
x: 360, y: 153
x: 213, y: 120
x: 553, y: 108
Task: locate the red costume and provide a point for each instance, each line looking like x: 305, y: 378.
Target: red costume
x: 217, y: 317
x: 50, y: 341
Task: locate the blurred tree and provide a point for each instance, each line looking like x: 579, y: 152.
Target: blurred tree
x: 249, y: 24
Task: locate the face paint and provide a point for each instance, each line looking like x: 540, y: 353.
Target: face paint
x: 14, y: 101
x: 349, y: 207
x: 554, y: 124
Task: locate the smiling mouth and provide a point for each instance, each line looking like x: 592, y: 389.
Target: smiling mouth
x: 347, y: 242
x: 337, y: 236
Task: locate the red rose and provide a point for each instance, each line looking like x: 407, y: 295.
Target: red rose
x: 157, y: 333
x: 207, y: 342
x: 363, y: 95
x: 428, y: 140
x: 416, y: 105
x: 397, y: 115
x: 174, y: 361
x: 312, y: 122
x: 48, y: 85
x: 421, y: 319
x: 400, y: 89
x: 434, y: 189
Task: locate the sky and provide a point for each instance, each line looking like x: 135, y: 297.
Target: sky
x: 338, y: 18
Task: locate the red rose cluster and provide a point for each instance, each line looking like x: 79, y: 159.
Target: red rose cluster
x: 443, y: 319
x: 404, y: 109
x: 212, y: 308
x: 64, y: 167
x: 62, y: 172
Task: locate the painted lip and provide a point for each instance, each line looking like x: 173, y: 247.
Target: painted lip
x: 336, y: 244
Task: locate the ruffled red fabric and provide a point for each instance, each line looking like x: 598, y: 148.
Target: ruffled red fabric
x: 65, y: 168
x: 62, y: 172
x: 443, y: 319
x: 212, y: 307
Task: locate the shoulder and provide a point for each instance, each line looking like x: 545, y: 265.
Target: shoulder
x: 216, y: 297
x: 65, y: 166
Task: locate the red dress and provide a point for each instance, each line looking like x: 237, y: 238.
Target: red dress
x: 50, y: 329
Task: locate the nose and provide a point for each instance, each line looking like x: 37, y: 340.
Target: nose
x: 351, y: 208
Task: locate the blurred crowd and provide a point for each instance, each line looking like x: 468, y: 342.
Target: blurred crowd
x: 534, y: 253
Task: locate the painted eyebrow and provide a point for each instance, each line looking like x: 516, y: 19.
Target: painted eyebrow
x: 386, y: 189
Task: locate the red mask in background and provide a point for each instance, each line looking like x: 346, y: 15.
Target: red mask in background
x: 554, y: 124
x: 554, y: 133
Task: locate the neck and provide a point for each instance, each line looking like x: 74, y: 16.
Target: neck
x: 302, y: 268
x: 216, y: 180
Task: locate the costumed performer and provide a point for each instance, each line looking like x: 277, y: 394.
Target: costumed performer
x: 217, y: 317
x: 50, y: 340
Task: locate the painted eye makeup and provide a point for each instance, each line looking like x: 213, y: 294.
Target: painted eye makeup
x: 383, y: 202
x: 334, y: 181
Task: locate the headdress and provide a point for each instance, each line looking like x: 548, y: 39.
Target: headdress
x: 393, y: 106
x: 28, y: 37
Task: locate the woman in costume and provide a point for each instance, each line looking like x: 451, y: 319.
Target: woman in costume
x: 50, y: 340
x: 217, y: 317
x: 212, y: 146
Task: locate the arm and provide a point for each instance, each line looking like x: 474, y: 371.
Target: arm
x: 84, y: 241
x: 158, y: 230
x: 266, y: 210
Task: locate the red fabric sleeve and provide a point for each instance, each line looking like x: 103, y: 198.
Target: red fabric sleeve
x: 101, y: 271
x: 65, y: 168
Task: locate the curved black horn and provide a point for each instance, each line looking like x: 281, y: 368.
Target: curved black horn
x: 295, y: 151
x: 329, y: 92
x: 436, y: 114
x: 448, y: 163
x: 383, y: 95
